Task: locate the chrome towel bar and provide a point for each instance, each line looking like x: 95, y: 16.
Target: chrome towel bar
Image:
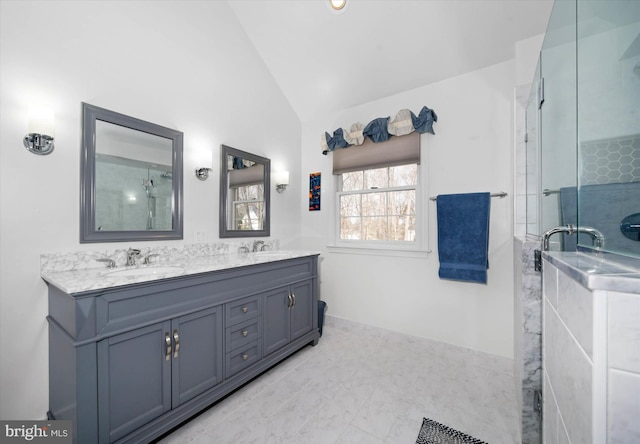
x: 501, y: 195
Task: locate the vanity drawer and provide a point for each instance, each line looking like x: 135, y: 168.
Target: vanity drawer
x: 242, y: 310
x: 242, y: 358
x: 243, y: 333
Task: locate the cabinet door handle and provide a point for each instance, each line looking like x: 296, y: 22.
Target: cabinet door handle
x: 293, y: 296
x: 167, y: 341
x: 290, y: 302
x: 245, y: 309
x: 245, y: 333
x: 176, y: 339
x: 245, y: 357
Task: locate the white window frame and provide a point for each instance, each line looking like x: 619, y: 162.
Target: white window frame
x: 235, y: 202
x: 419, y: 247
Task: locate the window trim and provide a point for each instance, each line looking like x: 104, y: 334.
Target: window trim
x: 419, y: 247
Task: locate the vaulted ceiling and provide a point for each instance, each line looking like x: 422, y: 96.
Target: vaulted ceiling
x: 325, y: 61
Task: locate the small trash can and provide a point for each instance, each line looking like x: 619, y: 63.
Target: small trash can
x: 322, y: 307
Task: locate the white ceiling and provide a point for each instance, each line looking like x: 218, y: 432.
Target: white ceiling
x: 325, y: 61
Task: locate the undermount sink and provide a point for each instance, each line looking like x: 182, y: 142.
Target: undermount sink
x: 145, y: 271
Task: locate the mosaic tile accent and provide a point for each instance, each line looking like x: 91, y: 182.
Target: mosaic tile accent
x: 615, y: 160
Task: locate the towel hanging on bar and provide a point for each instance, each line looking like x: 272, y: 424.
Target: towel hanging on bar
x: 463, y: 236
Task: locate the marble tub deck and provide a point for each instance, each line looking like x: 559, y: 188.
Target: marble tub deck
x: 364, y: 385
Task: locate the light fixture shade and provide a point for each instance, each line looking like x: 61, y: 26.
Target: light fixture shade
x: 338, y: 4
x: 41, y: 122
x: 281, y: 177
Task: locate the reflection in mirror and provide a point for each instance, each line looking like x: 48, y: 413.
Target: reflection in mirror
x: 131, y: 179
x: 133, y: 172
x: 244, y: 194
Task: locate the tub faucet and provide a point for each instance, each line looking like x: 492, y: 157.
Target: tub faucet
x: 598, y: 237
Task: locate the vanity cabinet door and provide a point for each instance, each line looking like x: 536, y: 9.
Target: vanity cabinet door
x: 197, y: 353
x: 288, y: 315
x: 302, y: 310
x: 147, y: 372
x: 277, y: 319
x: 134, y: 380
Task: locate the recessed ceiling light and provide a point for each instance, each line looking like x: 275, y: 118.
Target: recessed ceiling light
x: 337, y: 5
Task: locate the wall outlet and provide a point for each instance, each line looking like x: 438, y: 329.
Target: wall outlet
x: 199, y: 237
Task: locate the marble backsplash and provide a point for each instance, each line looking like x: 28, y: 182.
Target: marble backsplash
x: 82, y: 260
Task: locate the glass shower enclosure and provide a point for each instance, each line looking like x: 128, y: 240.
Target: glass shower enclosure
x: 583, y: 127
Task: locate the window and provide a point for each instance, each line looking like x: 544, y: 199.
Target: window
x: 248, y: 207
x: 378, y: 205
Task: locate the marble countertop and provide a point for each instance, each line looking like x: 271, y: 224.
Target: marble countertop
x: 76, y: 281
x: 598, y: 272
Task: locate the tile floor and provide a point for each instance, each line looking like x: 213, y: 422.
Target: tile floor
x: 364, y: 385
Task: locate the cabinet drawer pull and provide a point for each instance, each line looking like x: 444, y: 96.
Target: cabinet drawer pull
x: 245, y: 356
x: 167, y: 341
x: 245, y: 309
x: 176, y: 338
x: 245, y: 333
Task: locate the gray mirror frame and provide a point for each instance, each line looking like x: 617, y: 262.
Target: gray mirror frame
x: 224, y: 232
x: 88, y: 233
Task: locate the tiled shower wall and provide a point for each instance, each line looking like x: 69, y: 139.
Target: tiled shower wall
x: 615, y: 160
x: 119, y: 186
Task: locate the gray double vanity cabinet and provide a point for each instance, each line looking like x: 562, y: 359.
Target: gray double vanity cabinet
x: 132, y: 357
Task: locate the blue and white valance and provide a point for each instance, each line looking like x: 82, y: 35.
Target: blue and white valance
x: 380, y: 129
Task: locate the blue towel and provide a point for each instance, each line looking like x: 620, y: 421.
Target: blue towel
x: 463, y: 236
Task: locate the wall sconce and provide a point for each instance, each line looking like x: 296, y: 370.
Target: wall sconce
x: 203, y: 173
x: 281, y: 179
x: 41, y: 132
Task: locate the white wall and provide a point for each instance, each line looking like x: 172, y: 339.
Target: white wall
x: 186, y: 65
x: 471, y: 152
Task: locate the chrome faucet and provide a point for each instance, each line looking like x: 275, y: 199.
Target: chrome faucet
x: 147, y: 258
x: 110, y: 262
x: 132, y: 255
x: 258, y: 245
x: 598, y: 237
x: 569, y: 229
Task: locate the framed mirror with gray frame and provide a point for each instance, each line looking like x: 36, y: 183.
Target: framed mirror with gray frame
x: 130, y: 179
x: 245, y: 180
